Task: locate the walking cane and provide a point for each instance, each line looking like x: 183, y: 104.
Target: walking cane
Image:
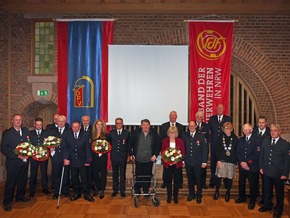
x: 59, y: 192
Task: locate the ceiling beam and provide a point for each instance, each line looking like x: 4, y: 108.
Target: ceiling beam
x: 195, y: 8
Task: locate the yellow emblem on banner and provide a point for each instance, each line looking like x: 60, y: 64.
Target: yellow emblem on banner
x: 210, y: 45
x: 84, y: 92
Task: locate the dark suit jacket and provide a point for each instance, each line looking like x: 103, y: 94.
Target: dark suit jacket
x: 204, y: 129
x: 58, y: 156
x: 51, y: 127
x: 164, y: 127
x: 249, y: 152
x: 89, y: 131
x: 275, y: 160
x: 216, y: 127
x: 79, y: 150
x: 120, y: 144
x: 178, y: 145
x: 155, y: 145
x: 38, y: 140
x: 196, y: 149
x: 10, y: 140
x: 266, y: 134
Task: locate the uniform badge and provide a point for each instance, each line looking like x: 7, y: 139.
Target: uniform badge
x: 258, y: 148
x: 197, y: 142
x: 124, y: 141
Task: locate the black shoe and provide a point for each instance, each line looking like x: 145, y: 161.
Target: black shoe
x: 7, y: 207
x: 216, y: 194
x: 240, y: 200
x: 277, y: 215
x: 114, y: 194
x: 55, y: 196
x: 169, y: 199
x: 123, y: 195
x: 22, y: 199
x: 46, y: 192
x: 251, y: 205
x: 96, y: 192
x: 163, y: 185
x: 31, y: 195
x: 198, y: 200
x: 211, y: 185
x: 175, y: 200
x: 75, y: 197
x: 102, y: 194
x: 190, y: 198
x: 264, y: 209
x: 67, y: 195
x: 227, y: 197
x: 205, y: 186
x: 89, y: 198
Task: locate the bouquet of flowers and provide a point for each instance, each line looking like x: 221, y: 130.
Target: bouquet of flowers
x: 24, y: 149
x: 101, y: 146
x: 51, y: 141
x: 40, y: 153
x: 171, y: 156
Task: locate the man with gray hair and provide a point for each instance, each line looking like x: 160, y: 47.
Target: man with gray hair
x: 248, y: 152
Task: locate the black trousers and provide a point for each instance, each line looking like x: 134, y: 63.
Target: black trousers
x: 119, y: 169
x: 78, y: 173
x: 56, y: 174
x: 143, y: 176
x: 213, y: 161
x: 17, y: 171
x: 34, y: 165
x: 253, y: 178
x: 193, y: 174
x: 172, y: 173
x: 269, y: 182
x: 99, y: 169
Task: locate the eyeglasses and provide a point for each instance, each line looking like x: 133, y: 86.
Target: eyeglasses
x: 119, y: 123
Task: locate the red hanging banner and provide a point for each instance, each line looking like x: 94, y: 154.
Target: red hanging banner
x: 210, y: 61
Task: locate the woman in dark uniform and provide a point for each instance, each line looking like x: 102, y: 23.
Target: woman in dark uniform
x: 226, y: 159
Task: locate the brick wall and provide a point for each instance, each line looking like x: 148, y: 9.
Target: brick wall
x: 261, y: 56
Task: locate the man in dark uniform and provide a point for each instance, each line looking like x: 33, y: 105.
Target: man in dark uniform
x: 86, y: 127
x: 163, y: 133
x: 145, y: 144
x: 77, y: 153
x: 215, y: 125
x: 119, y: 139
x: 57, y: 159
x: 248, y: 152
x: 196, y: 153
x: 16, y: 166
x: 262, y: 131
x: 54, y: 125
x: 274, y: 165
x: 36, y: 137
x: 203, y: 128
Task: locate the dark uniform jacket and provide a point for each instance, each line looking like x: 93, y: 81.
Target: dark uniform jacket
x: 196, y: 149
x: 78, y: 151
x: 249, y: 152
x: 58, y: 156
x: 274, y: 159
x: 10, y: 140
x: 165, y: 126
x: 120, y: 144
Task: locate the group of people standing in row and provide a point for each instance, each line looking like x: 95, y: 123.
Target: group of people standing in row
x: 260, y: 151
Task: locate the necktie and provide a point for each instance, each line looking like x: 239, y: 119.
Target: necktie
x: 119, y: 132
x: 76, y: 135
x: 191, y: 135
x: 60, y: 131
x: 18, y: 132
x: 260, y: 134
x: 247, y: 139
x: 172, y: 124
x: 274, y: 142
x: 219, y: 119
x: 38, y: 133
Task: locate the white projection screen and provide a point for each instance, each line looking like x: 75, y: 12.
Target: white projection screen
x: 147, y: 81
